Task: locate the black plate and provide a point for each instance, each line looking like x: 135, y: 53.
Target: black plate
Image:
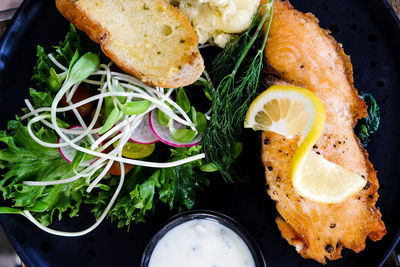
x: 370, y: 34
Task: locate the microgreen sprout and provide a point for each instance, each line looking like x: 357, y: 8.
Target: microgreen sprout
x: 126, y: 102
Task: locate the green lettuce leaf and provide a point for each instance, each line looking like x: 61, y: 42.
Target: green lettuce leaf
x: 144, y: 188
x: 65, y: 50
x: 40, y: 99
x: 25, y: 160
x: 135, y: 205
x: 179, y: 184
x: 42, y: 69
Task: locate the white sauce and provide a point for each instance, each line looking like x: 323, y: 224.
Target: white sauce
x: 201, y: 243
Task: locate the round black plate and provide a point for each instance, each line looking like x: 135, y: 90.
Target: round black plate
x: 370, y: 34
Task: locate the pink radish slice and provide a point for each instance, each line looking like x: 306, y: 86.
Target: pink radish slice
x: 164, y: 135
x: 68, y: 153
x: 143, y: 134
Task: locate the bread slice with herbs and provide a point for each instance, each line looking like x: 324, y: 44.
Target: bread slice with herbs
x: 149, y: 39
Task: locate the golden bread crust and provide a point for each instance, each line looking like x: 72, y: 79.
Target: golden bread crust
x: 191, y: 64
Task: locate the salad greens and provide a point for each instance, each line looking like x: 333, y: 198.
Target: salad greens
x: 25, y: 160
x: 45, y: 76
x: 173, y: 186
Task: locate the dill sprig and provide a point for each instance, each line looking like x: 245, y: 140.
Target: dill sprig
x: 237, y: 71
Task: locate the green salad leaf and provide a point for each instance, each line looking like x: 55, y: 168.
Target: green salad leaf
x: 42, y: 71
x: 26, y: 160
x: 47, y: 76
x: 145, y: 187
x: 40, y: 99
x: 179, y: 184
x: 133, y: 205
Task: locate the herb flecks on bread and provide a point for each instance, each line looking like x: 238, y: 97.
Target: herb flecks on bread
x: 149, y: 39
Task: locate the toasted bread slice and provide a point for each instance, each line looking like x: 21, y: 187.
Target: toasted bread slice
x: 149, y: 39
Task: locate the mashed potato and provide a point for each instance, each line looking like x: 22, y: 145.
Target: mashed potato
x: 217, y: 20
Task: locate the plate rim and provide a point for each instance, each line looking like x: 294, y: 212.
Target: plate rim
x: 12, y: 27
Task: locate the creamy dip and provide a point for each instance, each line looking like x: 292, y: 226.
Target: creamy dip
x: 201, y: 243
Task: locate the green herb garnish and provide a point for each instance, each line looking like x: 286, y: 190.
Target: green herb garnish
x: 237, y: 72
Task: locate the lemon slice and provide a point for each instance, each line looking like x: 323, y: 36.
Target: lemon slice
x: 291, y: 111
x: 322, y: 181
x: 288, y: 111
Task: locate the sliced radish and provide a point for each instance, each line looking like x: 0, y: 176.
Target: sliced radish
x: 143, y: 134
x: 68, y: 153
x: 164, y: 135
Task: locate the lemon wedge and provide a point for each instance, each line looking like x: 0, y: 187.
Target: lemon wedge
x: 291, y: 111
x: 322, y: 181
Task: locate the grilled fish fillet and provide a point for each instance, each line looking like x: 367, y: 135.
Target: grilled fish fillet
x: 300, y: 53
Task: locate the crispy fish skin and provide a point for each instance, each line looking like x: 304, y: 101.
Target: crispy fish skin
x: 300, y: 53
